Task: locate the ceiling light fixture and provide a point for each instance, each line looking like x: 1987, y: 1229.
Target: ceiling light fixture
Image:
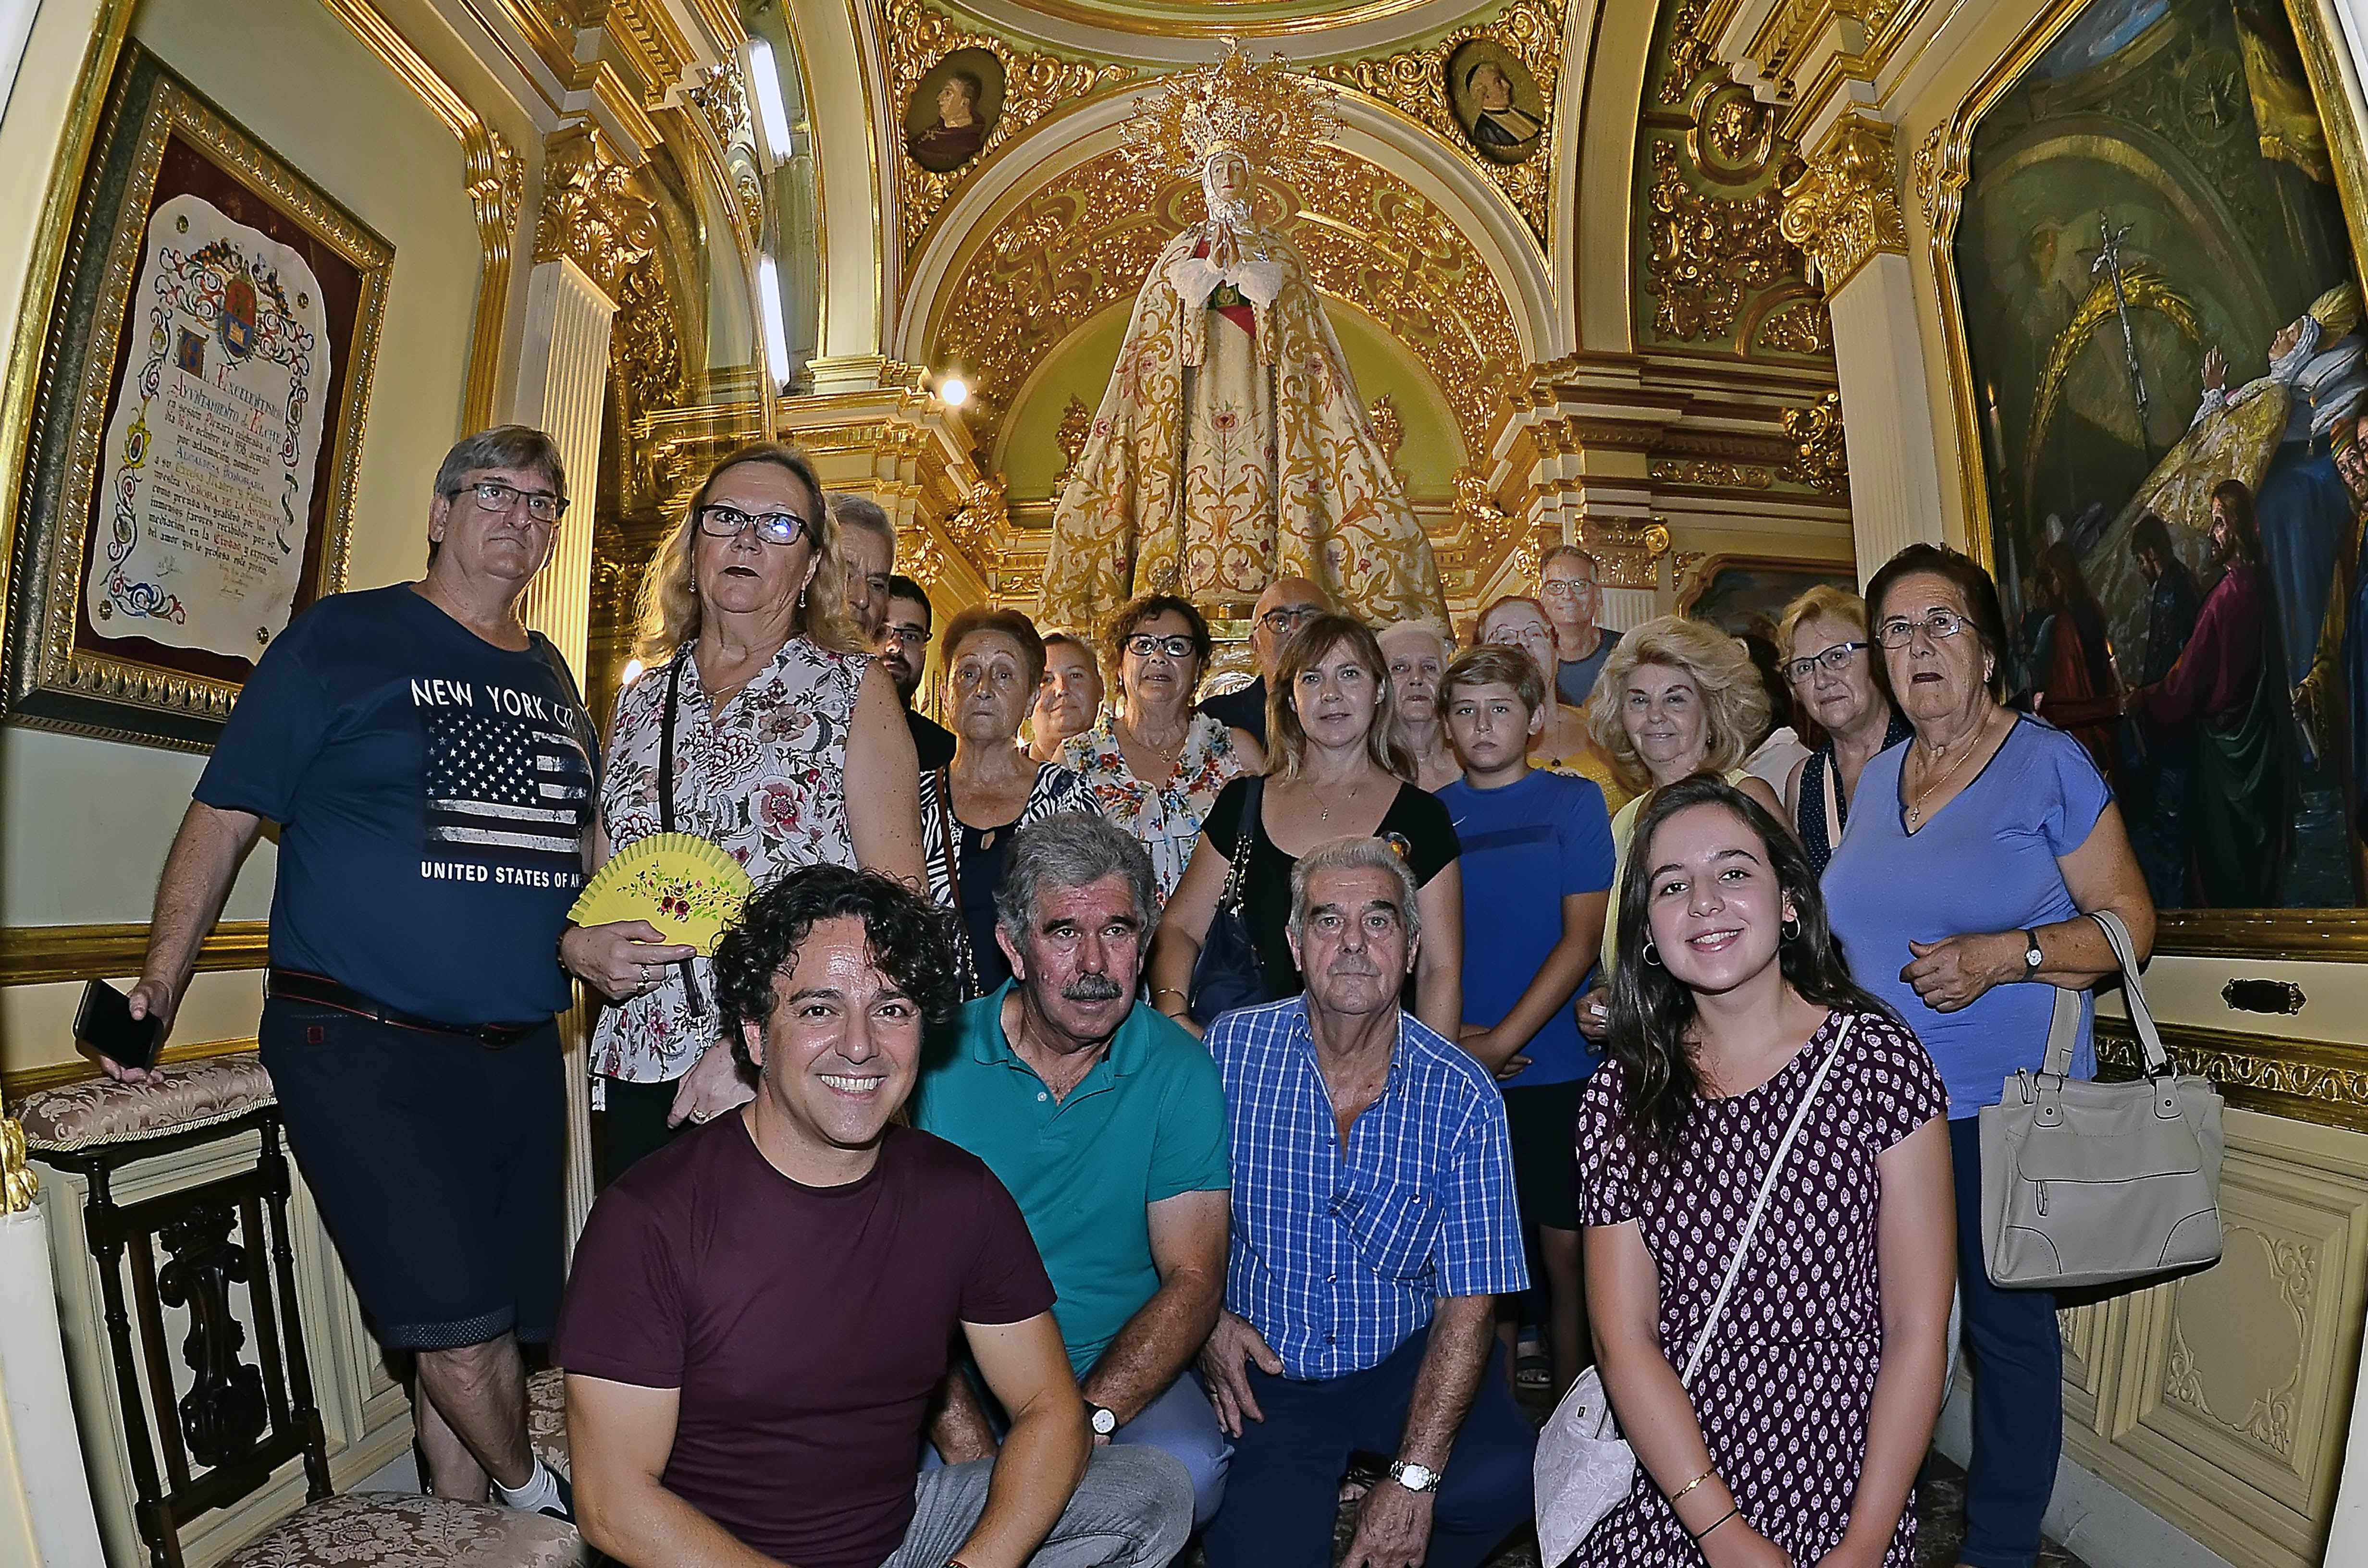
x: 771, y: 110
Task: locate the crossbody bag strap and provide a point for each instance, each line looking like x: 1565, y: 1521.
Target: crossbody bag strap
x: 945, y: 782
x: 1759, y: 1204
x: 666, y: 803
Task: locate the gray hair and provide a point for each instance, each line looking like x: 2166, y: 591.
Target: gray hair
x: 850, y: 511
x: 504, y: 446
x: 1071, y: 849
x: 1355, y: 855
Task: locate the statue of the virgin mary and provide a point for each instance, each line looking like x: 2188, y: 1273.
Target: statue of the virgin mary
x: 1231, y: 448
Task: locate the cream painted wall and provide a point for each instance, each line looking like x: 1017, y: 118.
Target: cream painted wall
x: 83, y: 824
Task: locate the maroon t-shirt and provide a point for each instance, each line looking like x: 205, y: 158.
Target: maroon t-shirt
x: 806, y: 1326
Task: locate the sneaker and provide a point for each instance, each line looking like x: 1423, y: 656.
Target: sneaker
x: 566, y: 1507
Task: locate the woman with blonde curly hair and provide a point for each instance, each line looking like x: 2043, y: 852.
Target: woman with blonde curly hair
x: 1337, y: 764
x: 1677, y: 697
x: 762, y: 726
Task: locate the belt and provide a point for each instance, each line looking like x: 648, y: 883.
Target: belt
x: 296, y: 985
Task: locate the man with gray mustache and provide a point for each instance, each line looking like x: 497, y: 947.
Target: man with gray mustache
x: 1107, y: 1122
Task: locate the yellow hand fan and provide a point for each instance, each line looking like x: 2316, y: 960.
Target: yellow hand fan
x: 679, y: 882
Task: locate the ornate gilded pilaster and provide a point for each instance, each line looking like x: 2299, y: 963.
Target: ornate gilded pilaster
x: 1844, y: 209
x: 496, y: 194
x: 591, y: 212
x: 1818, y: 459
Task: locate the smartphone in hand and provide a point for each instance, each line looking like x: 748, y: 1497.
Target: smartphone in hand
x: 104, y: 1022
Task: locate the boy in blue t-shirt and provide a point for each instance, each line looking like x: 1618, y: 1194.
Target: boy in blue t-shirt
x: 1537, y: 879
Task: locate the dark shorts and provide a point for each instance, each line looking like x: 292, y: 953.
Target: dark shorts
x: 439, y: 1166
x: 1543, y: 1122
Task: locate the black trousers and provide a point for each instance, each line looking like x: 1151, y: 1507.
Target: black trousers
x: 634, y: 1124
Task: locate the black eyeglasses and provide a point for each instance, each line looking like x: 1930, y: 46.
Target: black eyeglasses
x: 1837, y: 657
x: 1288, y: 618
x: 906, y: 636
x: 494, y: 496
x: 1143, y: 645
x: 719, y: 521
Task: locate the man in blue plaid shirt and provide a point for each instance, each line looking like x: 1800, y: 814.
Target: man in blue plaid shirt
x: 1375, y: 1224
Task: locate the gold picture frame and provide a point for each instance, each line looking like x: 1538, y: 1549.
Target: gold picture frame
x: 159, y: 141
x: 1940, y: 171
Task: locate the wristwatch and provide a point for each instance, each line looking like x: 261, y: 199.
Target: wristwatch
x: 1101, y: 1418
x: 2031, y: 957
x: 1414, y: 1477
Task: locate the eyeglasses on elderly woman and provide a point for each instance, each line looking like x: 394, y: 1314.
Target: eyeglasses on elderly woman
x: 1836, y: 658
x: 719, y: 521
x: 1898, y: 632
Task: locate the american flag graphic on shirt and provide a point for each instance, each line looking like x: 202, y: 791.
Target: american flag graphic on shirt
x: 510, y: 788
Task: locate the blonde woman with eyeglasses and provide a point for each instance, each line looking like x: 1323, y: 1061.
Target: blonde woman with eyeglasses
x: 761, y: 726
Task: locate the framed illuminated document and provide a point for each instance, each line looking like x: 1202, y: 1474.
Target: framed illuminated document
x: 190, y: 469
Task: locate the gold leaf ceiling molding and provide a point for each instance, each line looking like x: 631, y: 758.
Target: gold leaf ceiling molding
x: 1718, y: 272
x: 1415, y: 83
x: 1033, y: 86
x: 1087, y: 240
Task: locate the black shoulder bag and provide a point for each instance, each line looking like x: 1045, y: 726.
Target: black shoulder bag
x: 1226, y: 975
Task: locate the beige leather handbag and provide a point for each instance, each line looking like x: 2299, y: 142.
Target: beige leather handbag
x: 2089, y: 1182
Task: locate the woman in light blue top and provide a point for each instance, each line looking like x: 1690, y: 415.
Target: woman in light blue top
x: 1960, y: 892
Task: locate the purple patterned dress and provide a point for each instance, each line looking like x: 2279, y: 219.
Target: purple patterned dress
x: 1783, y: 1394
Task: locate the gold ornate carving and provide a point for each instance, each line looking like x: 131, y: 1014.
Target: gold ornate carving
x: 978, y: 527
x: 1389, y: 429
x: 1415, y: 83
x: 1076, y: 422
x: 1819, y: 458
x: 1084, y: 242
x: 593, y: 211
x: 1928, y: 177
x: 2304, y: 1080
x: 1691, y: 54
x: 917, y: 557
x: 1724, y: 476
x: 1484, y: 532
x: 1628, y: 554
x: 19, y: 1186
x: 1802, y: 327
x: 1844, y: 208
x: 917, y: 36
x: 1276, y: 119
x: 1703, y: 252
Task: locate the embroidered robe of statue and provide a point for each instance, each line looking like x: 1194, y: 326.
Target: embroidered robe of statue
x: 1231, y: 449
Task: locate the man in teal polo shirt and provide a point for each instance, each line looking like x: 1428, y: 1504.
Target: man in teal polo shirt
x: 1107, y: 1122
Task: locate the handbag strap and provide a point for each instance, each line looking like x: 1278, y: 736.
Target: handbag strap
x: 665, y: 803
x: 2063, y: 1025
x: 945, y: 783
x: 1238, y: 872
x: 1759, y: 1204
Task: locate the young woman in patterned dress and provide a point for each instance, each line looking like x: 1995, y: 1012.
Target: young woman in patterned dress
x: 1799, y: 1440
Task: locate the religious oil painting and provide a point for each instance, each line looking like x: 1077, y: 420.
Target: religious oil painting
x: 953, y: 109
x: 1741, y: 594
x: 212, y: 341
x: 1495, y: 100
x: 2162, y: 320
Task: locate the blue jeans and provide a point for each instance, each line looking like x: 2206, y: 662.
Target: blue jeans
x: 1179, y: 1423
x: 2018, y: 1357
x: 1283, y: 1495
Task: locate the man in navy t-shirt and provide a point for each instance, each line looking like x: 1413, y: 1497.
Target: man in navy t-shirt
x: 430, y: 768
x: 1537, y: 880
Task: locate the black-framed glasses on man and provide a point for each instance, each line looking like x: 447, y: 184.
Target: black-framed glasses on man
x: 719, y: 521
x: 1143, y: 645
x: 493, y: 495
x: 905, y: 634
x: 1837, y: 657
x: 1898, y: 632
x: 1284, y: 619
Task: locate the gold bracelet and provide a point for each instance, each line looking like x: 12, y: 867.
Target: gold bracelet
x: 1159, y: 991
x: 1689, y: 1486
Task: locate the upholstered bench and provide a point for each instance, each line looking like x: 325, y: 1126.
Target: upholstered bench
x: 238, y: 1412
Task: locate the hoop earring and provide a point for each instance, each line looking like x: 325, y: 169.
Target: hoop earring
x: 1651, y: 955
x: 1790, y: 929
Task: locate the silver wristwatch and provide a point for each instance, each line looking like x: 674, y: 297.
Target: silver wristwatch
x: 1103, y: 1419
x: 2031, y: 955
x: 1414, y: 1477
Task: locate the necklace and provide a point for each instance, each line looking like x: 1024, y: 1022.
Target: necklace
x: 1915, y: 807
x: 1321, y: 800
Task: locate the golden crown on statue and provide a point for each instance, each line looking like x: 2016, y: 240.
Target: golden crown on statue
x: 1270, y: 114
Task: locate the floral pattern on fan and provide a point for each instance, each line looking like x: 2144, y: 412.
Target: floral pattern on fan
x: 683, y: 884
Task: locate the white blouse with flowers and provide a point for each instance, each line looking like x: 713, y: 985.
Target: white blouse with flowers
x: 765, y: 779
x: 1165, y: 817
